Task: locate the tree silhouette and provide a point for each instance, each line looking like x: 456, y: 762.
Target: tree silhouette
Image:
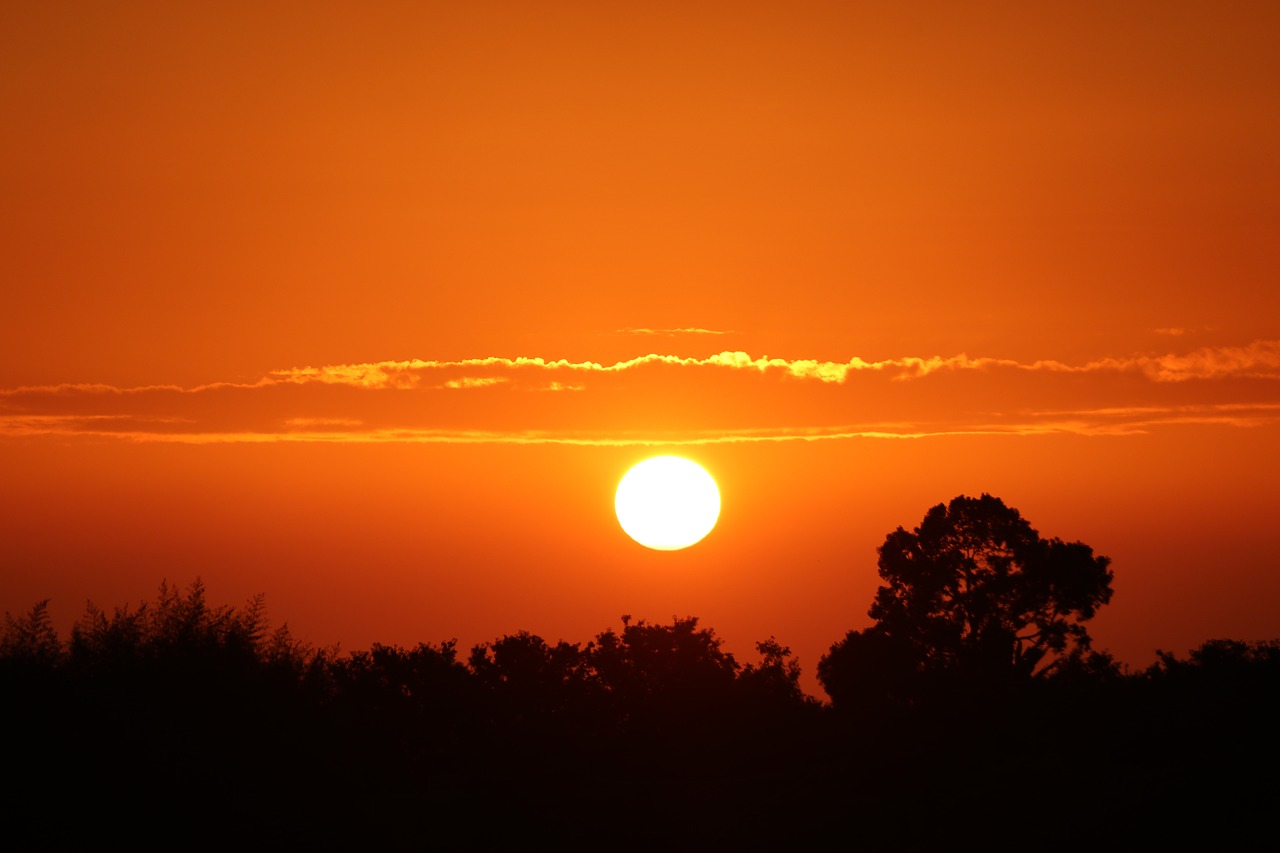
x: 776, y: 679
x: 973, y: 592
x: 648, y: 660
x: 31, y: 639
x: 415, y: 698
x: 867, y: 668
x: 178, y: 709
x: 533, y: 684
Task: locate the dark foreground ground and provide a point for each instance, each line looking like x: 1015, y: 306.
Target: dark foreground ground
x: 169, y: 763
x: 185, y: 727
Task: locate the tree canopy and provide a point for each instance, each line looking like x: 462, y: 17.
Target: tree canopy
x: 973, y: 590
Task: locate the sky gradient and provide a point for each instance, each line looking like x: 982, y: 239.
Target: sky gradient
x: 370, y: 306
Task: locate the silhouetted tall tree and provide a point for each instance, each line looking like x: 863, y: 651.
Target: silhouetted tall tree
x: 974, y: 592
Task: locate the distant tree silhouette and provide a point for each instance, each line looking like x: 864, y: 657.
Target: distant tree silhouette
x: 176, y: 621
x: 531, y: 683
x: 974, y: 594
x: 31, y: 639
x: 1219, y: 668
x: 1222, y: 656
x: 419, y: 696
x: 775, y: 679
x: 663, y: 673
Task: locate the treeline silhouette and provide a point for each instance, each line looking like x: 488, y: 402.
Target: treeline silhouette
x: 183, y: 714
x: 984, y: 718
x: 205, y: 716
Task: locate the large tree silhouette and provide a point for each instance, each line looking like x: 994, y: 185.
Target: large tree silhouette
x: 974, y: 592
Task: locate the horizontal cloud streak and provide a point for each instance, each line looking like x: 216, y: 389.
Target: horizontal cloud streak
x: 665, y: 399
x: 1258, y: 359
x: 671, y: 333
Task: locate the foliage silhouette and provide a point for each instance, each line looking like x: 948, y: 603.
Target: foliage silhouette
x: 1227, y: 674
x: 972, y: 595
x: 533, y: 685
x: 206, y: 724
x: 31, y: 640
x: 662, y: 668
x: 776, y: 679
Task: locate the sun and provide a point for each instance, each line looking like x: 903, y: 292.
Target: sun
x: 667, y: 503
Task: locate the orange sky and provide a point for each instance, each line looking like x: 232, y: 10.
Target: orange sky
x: 354, y: 304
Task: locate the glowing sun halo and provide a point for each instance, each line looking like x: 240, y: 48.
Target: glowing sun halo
x: 667, y: 503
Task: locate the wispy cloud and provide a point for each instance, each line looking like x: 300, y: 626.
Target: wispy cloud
x: 1258, y: 359
x: 475, y: 382
x: 671, y: 333
x: 724, y: 397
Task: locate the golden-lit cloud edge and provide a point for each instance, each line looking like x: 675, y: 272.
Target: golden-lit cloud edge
x: 321, y: 431
x: 671, y: 333
x: 667, y: 400
x: 1260, y: 358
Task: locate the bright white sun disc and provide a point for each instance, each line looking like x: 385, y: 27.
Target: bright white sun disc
x: 667, y: 503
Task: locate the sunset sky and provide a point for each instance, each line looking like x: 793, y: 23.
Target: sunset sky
x: 369, y: 306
